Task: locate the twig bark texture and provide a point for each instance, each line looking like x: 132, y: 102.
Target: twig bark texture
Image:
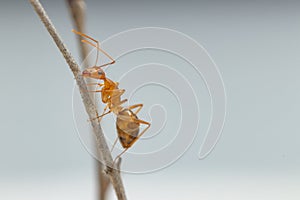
x: 77, y: 10
x: 102, y: 147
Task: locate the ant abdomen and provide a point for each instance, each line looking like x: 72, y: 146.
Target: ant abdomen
x: 127, y: 127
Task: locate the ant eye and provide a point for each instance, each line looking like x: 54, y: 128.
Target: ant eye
x: 99, y: 72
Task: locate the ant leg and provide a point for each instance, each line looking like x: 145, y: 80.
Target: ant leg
x: 86, y: 36
x: 113, y: 146
x: 121, y: 91
x: 138, y: 137
x: 135, y: 139
x: 119, y: 156
x: 98, y: 84
x: 118, y: 92
x: 94, y: 90
x: 139, y: 106
x: 121, y: 102
x: 103, y: 114
x: 102, y: 51
x: 96, y: 46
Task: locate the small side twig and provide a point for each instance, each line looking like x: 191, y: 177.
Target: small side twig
x: 102, y: 147
x: 77, y: 10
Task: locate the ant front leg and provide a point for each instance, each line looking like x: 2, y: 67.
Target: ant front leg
x: 88, y: 37
x: 96, y: 46
x: 101, y: 50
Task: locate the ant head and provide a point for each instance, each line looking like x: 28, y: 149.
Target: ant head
x: 94, y: 72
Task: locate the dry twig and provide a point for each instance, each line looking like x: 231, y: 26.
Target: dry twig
x: 102, y: 147
x: 78, y: 9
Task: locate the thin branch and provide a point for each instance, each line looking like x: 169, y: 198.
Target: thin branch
x: 77, y: 10
x: 90, y: 108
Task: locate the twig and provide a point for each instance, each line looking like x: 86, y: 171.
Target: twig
x: 102, y: 147
x: 77, y: 9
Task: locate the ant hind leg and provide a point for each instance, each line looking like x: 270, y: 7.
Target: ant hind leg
x: 139, y: 106
x: 114, y: 144
x: 135, y: 139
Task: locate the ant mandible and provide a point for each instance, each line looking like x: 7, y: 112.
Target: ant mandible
x: 127, y: 123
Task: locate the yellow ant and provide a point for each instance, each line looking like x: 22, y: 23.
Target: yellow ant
x: 127, y: 123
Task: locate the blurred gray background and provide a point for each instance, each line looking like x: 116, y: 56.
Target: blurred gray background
x: 255, y: 45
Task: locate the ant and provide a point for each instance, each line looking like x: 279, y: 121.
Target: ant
x: 127, y: 123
